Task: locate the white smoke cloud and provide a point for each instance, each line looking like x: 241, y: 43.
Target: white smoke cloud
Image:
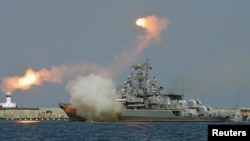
x: 94, y: 97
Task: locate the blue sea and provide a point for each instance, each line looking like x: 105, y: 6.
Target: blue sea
x: 103, y: 131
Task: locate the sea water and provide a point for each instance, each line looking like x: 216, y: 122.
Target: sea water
x: 102, y: 131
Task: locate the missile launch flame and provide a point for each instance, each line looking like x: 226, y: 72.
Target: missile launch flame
x: 141, y: 22
x: 29, y: 79
x: 25, y: 82
x: 154, y: 26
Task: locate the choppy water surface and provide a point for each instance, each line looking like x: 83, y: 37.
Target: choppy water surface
x: 102, y: 131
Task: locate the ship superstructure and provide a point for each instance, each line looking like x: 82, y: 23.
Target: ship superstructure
x: 143, y: 100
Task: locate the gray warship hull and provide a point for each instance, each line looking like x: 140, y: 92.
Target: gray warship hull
x: 130, y: 115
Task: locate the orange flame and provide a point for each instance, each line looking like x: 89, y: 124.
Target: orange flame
x: 29, y: 78
x: 25, y: 82
x: 153, y: 26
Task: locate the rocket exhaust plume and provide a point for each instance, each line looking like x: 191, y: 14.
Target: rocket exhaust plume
x: 25, y: 82
x: 153, y: 27
x: 54, y: 75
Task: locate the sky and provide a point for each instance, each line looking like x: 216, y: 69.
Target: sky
x: 204, y: 52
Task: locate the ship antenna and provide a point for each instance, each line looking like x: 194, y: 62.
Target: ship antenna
x: 183, y: 87
x: 236, y: 107
x: 147, y: 69
x: 146, y: 79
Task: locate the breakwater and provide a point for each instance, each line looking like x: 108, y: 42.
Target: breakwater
x: 59, y: 114
x: 32, y: 114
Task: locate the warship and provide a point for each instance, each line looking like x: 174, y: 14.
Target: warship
x: 143, y: 101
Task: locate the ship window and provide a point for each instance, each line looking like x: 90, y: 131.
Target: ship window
x: 176, y: 113
x: 48, y: 111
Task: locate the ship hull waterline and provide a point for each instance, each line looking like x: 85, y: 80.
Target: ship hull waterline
x: 164, y: 116
x: 155, y: 116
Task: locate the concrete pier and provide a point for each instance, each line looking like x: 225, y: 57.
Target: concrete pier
x: 32, y: 114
